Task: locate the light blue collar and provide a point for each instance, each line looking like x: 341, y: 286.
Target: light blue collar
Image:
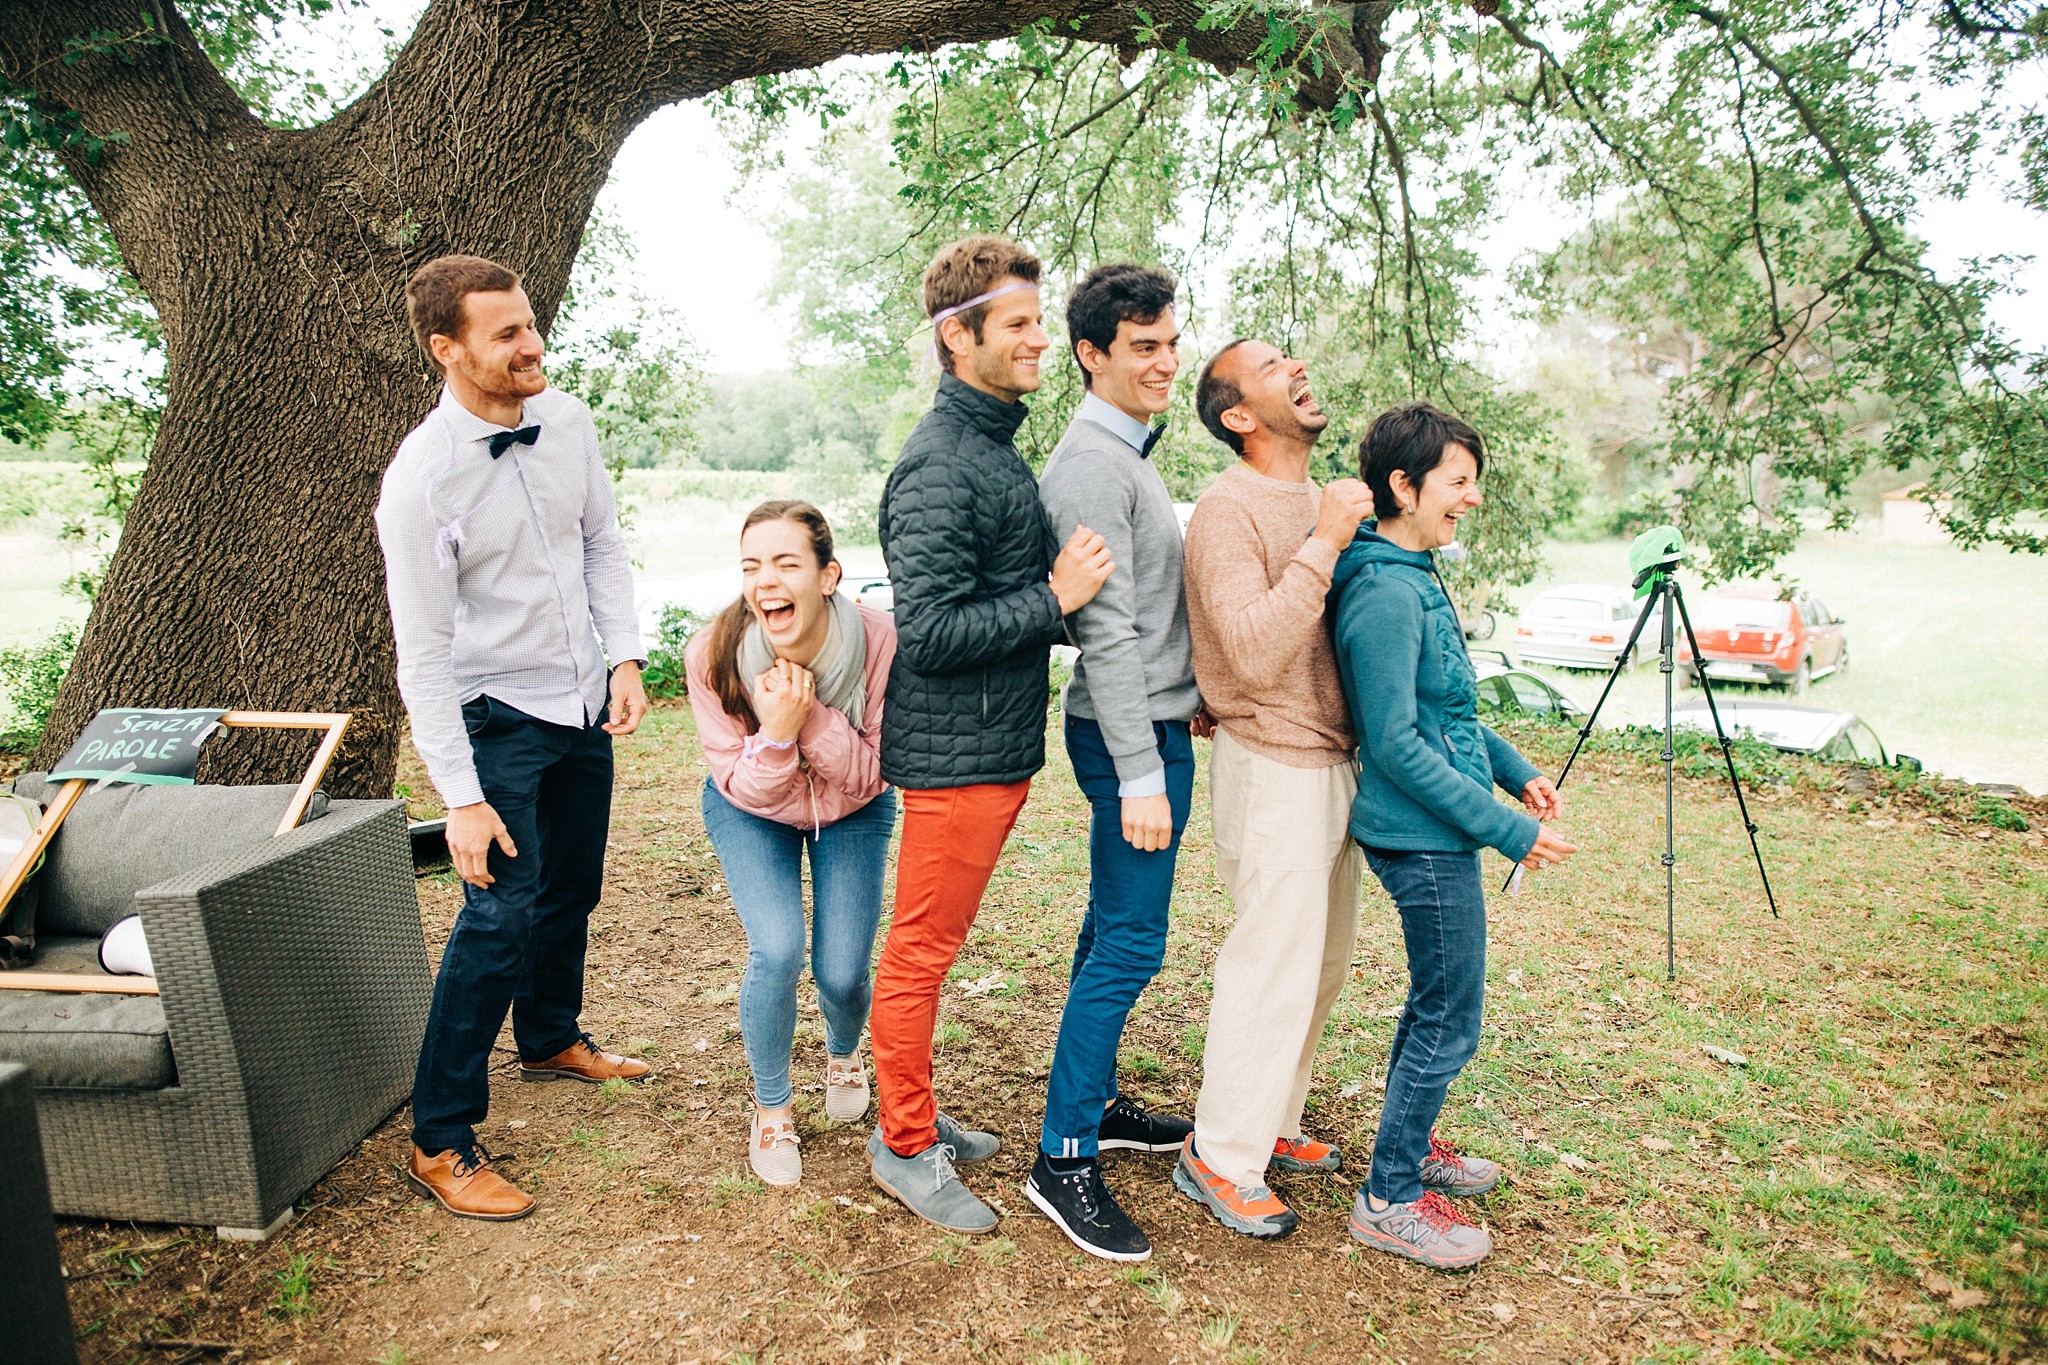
x: 1115, y: 421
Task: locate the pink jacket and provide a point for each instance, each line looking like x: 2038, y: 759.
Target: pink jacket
x: 830, y: 772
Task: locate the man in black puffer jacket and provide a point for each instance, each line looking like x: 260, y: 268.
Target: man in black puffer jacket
x: 979, y: 601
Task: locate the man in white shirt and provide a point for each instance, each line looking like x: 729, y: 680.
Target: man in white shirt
x: 505, y: 566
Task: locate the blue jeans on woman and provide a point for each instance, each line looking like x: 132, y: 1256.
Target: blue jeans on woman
x: 763, y: 863
x: 1443, y: 921
x: 1123, y: 936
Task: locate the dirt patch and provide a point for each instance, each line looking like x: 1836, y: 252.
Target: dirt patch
x: 652, y: 1244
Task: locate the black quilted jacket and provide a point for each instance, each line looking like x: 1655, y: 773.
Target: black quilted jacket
x: 969, y: 550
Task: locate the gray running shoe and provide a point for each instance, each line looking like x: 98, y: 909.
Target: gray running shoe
x: 968, y: 1144
x: 925, y: 1184
x: 1461, y: 1177
x: 1429, y: 1230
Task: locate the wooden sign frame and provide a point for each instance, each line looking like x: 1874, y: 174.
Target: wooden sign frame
x: 333, y: 722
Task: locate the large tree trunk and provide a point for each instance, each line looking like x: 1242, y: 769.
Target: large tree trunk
x: 248, y: 574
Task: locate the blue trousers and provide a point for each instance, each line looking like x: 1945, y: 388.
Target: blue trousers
x: 518, y: 944
x: 1123, y: 936
x: 1443, y: 923
x: 763, y: 862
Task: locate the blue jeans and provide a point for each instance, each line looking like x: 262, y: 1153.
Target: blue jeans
x: 1443, y: 921
x: 1123, y: 937
x: 763, y: 863
x: 518, y: 943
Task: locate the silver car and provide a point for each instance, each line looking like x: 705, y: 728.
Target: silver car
x: 1837, y: 736
x: 1583, y: 625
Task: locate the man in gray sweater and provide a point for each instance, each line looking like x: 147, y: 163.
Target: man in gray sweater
x: 1127, y: 715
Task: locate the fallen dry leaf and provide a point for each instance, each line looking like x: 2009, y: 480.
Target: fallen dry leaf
x: 1724, y: 1055
x: 1504, y: 1311
x: 1968, y: 1298
x: 1655, y: 1144
x: 1575, y: 1161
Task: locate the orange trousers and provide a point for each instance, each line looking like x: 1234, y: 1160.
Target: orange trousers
x: 951, y: 839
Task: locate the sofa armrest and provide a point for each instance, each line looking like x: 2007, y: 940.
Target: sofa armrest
x: 296, y: 970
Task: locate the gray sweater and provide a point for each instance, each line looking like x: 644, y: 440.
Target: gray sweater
x: 1136, y: 667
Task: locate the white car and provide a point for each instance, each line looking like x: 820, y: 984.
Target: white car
x: 1583, y: 625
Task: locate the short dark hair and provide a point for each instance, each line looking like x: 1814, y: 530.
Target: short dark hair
x: 1216, y: 395
x: 966, y: 268
x: 434, y: 294
x: 1109, y: 296
x: 1411, y: 437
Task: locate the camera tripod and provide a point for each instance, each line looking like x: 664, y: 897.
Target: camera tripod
x: 1663, y: 591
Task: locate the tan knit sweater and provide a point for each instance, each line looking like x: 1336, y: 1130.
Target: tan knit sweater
x: 1256, y: 582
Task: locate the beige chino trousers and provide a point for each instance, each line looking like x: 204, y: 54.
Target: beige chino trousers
x: 1284, y: 850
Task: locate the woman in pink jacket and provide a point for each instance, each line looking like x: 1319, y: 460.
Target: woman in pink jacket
x: 787, y: 688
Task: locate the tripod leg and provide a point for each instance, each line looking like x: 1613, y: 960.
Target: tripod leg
x: 1699, y: 665
x: 1668, y: 589
x: 1613, y: 676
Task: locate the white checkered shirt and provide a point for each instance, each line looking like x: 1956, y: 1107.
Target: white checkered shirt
x: 502, y: 575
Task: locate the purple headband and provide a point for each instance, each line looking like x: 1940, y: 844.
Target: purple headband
x: 939, y: 317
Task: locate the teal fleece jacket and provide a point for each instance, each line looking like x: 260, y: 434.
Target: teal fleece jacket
x: 1426, y: 764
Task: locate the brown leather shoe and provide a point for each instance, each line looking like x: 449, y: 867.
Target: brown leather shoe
x: 582, y: 1061
x: 462, y: 1182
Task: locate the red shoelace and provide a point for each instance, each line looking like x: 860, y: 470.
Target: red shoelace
x: 1440, y: 1213
x: 1441, y: 1150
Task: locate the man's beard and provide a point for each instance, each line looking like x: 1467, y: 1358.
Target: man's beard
x: 1291, y: 427
x: 1000, y: 372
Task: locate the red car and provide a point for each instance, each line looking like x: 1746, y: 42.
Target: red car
x: 1750, y: 634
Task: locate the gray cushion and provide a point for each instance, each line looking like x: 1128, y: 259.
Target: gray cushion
x: 124, y: 837
x: 101, y: 1042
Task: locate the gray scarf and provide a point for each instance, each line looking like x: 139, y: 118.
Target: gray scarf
x: 841, y: 668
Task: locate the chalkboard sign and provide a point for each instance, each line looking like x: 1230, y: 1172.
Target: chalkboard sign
x: 139, y: 744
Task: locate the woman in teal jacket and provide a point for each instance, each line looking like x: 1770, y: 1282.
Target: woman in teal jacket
x: 1425, y: 808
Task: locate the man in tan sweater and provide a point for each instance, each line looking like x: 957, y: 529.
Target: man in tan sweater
x: 1259, y: 551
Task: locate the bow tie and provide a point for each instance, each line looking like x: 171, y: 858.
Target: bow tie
x: 502, y: 441
x: 1151, y: 439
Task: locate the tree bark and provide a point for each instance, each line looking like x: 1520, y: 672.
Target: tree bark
x: 248, y: 574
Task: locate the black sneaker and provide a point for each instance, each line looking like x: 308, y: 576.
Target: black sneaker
x: 1128, y: 1128
x: 1084, y: 1209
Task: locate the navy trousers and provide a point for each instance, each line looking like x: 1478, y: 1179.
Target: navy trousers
x: 519, y: 943
x: 1123, y: 937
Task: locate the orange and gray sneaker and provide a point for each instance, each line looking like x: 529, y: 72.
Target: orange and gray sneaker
x: 1305, y: 1154
x: 1253, y: 1212
x: 461, y: 1181
x: 582, y: 1060
x: 1461, y: 1177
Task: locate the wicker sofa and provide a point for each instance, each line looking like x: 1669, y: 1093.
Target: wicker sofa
x: 294, y: 989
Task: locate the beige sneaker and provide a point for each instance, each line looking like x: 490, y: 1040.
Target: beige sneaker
x: 772, y: 1151
x: 846, y: 1088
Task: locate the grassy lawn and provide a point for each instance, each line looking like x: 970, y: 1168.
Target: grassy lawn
x: 1867, y: 1180
x: 1947, y: 655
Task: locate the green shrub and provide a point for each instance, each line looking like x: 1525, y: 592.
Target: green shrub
x: 664, y: 675
x: 29, y: 678
x: 1994, y: 811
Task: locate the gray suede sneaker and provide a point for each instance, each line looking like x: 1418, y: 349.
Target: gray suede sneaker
x: 925, y: 1184
x: 968, y: 1144
x: 1428, y: 1230
x: 1461, y: 1177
